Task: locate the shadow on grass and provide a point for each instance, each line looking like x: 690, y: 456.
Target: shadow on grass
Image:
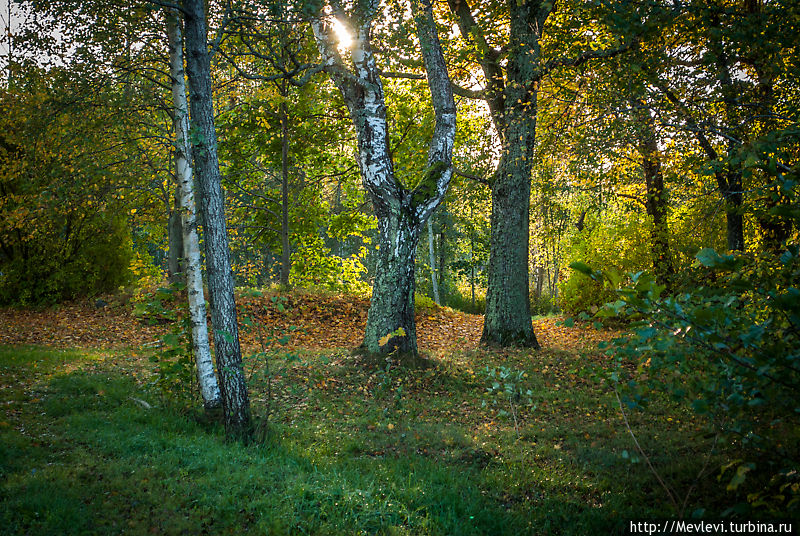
x: 86, y: 458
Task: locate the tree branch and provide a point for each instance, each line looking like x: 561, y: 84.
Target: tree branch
x: 582, y: 58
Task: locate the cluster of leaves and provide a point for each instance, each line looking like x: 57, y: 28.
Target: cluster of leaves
x: 61, y: 234
x: 730, y: 351
x: 175, y: 378
x: 508, y: 389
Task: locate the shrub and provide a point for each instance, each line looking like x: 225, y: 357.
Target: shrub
x: 95, y: 260
x: 730, y: 352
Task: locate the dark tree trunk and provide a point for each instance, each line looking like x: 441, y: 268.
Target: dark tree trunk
x: 511, y: 96
x: 174, y: 245
x: 656, y: 203
x: 731, y: 190
x: 235, y: 400
x: 507, y: 321
x: 286, y: 253
x: 655, y: 196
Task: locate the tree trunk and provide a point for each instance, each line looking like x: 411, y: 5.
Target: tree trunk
x: 730, y: 182
x: 539, y: 282
x: 511, y: 92
x: 392, y: 304
x: 432, y: 260
x: 186, y: 211
x: 507, y: 321
x: 286, y: 253
x: 401, y: 212
x: 734, y: 220
x: 655, y: 197
x: 175, y: 237
x: 235, y: 400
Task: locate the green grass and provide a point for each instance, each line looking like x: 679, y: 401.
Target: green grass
x: 350, y: 449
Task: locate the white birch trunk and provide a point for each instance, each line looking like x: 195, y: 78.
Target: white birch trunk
x: 209, y: 389
x: 401, y: 212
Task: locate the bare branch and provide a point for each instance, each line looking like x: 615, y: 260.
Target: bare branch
x: 582, y: 58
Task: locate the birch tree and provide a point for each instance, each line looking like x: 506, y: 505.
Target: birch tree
x: 209, y: 389
x: 401, y: 211
x: 233, y: 388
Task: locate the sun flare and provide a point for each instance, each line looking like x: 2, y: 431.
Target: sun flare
x: 345, y: 39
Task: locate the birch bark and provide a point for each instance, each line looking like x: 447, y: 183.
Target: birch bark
x: 401, y: 212
x: 233, y: 388
x: 207, y: 380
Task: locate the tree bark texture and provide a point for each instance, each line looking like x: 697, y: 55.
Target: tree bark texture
x: 432, y: 260
x: 235, y: 400
x: 185, y: 210
x: 507, y: 321
x: 655, y: 196
x: 511, y: 93
x: 401, y: 212
x: 174, y: 240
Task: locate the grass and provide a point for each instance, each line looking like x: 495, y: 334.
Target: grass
x: 350, y: 449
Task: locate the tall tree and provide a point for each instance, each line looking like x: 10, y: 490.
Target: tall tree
x: 513, y: 66
x: 207, y: 380
x: 401, y: 211
x: 233, y: 388
x: 655, y: 196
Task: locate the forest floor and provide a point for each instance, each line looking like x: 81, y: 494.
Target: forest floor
x: 93, y: 441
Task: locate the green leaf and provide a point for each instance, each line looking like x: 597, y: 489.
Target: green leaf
x: 708, y: 257
x: 582, y: 268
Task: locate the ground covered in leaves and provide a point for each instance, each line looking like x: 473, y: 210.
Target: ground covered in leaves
x: 483, y: 442
x: 322, y: 322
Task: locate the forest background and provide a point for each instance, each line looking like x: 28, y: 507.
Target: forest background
x: 633, y: 164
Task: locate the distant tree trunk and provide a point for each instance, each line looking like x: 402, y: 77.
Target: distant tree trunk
x: 286, y: 253
x: 401, y: 212
x: 729, y: 181
x: 235, y: 400
x: 656, y: 198
x: 185, y: 209
x: 730, y: 185
x: 432, y: 259
x: 539, y: 281
x: 175, y: 239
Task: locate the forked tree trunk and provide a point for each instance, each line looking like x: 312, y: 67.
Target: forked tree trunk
x: 235, y: 400
x: 401, y: 212
x: 186, y: 210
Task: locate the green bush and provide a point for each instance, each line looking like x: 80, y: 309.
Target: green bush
x: 729, y: 351
x: 630, y: 253
x: 94, y: 260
